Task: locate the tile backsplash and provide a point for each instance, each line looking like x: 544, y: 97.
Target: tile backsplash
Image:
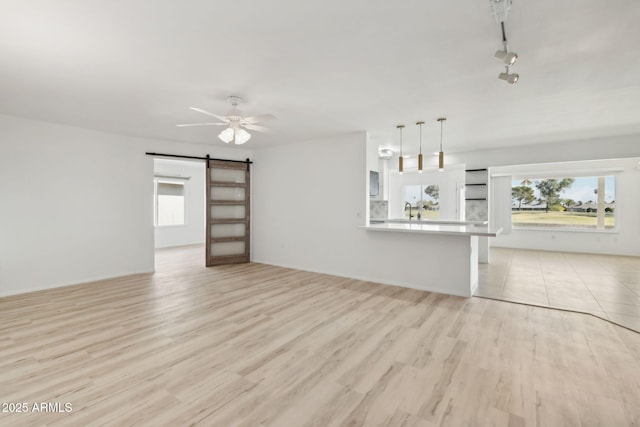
x: 476, y: 210
x: 378, y: 209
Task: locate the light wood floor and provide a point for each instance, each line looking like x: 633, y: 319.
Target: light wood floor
x: 607, y: 286
x: 256, y: 345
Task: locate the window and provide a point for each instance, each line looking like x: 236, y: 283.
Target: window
x: 582, y: 202
x: 169, y: 203
x: 424, y: 199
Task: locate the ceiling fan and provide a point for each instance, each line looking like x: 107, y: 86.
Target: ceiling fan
x: 237, y: 125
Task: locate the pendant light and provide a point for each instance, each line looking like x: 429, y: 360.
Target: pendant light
x: 420, y: 154
x: 400, y: 159
x: 441, y: 153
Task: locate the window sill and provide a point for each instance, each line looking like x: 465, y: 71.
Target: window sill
x: 564, y: 229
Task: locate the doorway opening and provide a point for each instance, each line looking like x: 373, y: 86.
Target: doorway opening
x: 179, y: 214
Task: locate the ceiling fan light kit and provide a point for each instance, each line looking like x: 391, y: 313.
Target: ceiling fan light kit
x: 242, y: 136
x: 236, y: 123
x: 227, y: 135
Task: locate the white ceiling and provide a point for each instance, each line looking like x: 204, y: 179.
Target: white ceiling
x: 325, y: 68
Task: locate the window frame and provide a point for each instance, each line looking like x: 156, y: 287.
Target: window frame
x: 167, y: 180
x: 572, y: 174
x: 422, y: 197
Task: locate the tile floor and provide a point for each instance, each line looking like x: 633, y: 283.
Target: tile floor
x: 607, y: 286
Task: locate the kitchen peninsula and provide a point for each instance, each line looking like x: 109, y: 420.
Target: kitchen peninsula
x: 450, y: 245
x: 428, y: 230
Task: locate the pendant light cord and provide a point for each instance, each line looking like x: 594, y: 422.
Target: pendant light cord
x: 420, y: 138
x: 441, y: 134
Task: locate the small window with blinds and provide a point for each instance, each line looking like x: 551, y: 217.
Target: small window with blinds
x: 169, y: 203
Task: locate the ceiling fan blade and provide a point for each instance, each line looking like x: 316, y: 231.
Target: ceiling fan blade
x: 259, y: 118
x: 201, y: 124
x: 257, y: 128
x: 200, y: 110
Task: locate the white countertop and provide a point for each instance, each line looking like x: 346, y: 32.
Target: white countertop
x: 429, y: 221
x: 422, y: 227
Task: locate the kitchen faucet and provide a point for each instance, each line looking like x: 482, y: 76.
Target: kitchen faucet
x: 405, y: 208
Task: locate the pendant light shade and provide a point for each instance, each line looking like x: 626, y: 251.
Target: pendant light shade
x: 420, y: 153
x: 400, y: 159
x: 441, y: 153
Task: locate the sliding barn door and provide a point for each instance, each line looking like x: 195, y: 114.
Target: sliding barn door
x: 228, y: 222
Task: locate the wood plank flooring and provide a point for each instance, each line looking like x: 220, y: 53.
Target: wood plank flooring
x: 257, y: 345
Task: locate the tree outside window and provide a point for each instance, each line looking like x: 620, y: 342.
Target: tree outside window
x: 586, y: 202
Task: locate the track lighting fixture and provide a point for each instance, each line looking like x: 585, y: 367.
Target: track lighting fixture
x: 400, y: 159
x: 420, y: 155
x: 509, y: 78
x: 509, y: 58
x: 500, y: 10
x: 441, y: 153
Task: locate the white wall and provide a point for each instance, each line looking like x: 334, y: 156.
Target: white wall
x: 193, y: 231
x: 77, y: 205
x: 309, y: 200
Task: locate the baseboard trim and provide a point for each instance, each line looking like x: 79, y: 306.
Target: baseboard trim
x: 369, y: 279
x: 86, y: 281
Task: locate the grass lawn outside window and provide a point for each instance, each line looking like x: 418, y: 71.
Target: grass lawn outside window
x: 559, y: 219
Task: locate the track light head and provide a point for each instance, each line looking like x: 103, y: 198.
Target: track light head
x: 509, y: 78
x: 509, y: 58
